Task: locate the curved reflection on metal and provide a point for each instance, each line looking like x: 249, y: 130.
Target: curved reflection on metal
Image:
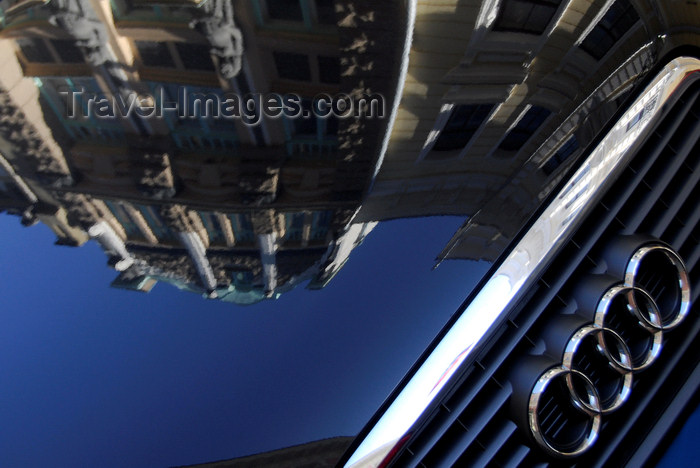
x: 592, y: 406
x: 683, y: 282
x: 651, y: 321
x: 622, y: 363
x: 524, y: 262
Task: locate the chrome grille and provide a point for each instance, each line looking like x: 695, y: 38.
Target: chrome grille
x: 656, y: 195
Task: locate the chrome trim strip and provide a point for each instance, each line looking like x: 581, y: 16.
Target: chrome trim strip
x: 521, y: 266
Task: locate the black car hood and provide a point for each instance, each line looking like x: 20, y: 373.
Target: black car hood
x: 274, y: 338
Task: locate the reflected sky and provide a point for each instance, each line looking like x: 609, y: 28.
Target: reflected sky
x: 93, y: 374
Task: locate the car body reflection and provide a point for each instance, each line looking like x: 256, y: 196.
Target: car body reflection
x: 241, y: 151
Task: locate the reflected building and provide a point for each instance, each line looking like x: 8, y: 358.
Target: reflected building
x: 223, y: 207
x: 501, y: 97
x: 486, y: 106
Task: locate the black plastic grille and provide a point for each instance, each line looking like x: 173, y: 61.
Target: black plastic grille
x: 657, y: 195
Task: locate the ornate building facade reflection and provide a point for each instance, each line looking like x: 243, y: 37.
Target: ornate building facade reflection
x: 474, y: 128
x: 234, y: 211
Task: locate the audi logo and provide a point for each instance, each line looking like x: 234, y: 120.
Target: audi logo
x: 602, y: 355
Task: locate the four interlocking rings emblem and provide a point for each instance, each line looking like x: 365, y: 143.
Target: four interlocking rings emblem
x: 598, y: 350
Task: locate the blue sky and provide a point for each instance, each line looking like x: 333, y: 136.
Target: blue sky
x: 91, y: 375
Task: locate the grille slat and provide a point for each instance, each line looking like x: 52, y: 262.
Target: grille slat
x: 667, y: 167
x: 472, y: 422
x: 660, y: 225
x: 693, y: 217
x: 497, y: 440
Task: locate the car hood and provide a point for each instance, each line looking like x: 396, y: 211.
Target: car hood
x: 300, y: 270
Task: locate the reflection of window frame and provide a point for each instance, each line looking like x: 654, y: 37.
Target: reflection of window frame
x: 614, y: 33
x: 155, y: 222
x: 320, y: 225
x: 554, y: 5
x: 518, y: 124
x: 193, y: 137
x: 309, y: 21
x: 211, y: 224
x: 562, y: 153
x: 242, y: 227
x: 125, y: 220
x: 174, y: 55
x: 282, y: 59
x: 293, y: 227
x: 324, y: 142
x: 429, y: 153
x: 53, y: 50
x: 312, y: 62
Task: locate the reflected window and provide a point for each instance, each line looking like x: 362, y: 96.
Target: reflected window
x: 67, y: 51
x: 615, y: 23
x: 125, y: 220
x: 292, y: 66
x: 180, y: 55
x: 289, y: 10
x: 294, y: 227
x: 562, y: 154
x: 313, y: 135
x: 37, y: 50
x: 302, y: 14
x: 328, y: 69
x: 242, y: 227
x: 325, y: 12
x: 307, y: 125
x: 463, y: 123
x: 524, y: 129
x: 212, y: 226
x: 155, y: 54
x: 526, y: 16
x: 210, y: 130
x: 194, y: 56
x: 159, y: 228
x: 320, y: 224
